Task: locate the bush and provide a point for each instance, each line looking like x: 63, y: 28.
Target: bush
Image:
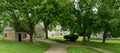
x: 71, y: 37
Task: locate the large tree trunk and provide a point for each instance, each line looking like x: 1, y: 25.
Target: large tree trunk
x: 31, y: 37
x: 84, y: 39
x: 88, y: 37
x: 46, y: 25
x: 46, y: 29
x: 84, y: 35
x: 46, y: 33
x: 105, y: 35
x: 31, y: 32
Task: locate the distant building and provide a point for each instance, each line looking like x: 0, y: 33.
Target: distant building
x: 97, y: 36
x: 100, y: 36
x: 58, y: 32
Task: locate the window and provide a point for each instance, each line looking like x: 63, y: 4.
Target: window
x: 5, y: 34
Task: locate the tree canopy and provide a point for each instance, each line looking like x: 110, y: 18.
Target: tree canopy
x: 84, y: 17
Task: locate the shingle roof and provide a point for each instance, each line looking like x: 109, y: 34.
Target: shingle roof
x: 8, y: 28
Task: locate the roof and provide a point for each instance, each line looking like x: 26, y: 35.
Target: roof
x: 8, y: 28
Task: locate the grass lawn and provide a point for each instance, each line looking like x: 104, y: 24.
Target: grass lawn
x: 1, y: 35
x: 112, y: 45
x: 22, y: 47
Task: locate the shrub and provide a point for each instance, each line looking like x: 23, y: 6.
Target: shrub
x: 71, y: 37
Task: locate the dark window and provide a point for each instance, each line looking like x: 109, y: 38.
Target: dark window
x: 5, y: 34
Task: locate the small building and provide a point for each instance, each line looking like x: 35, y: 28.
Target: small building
x: 59, y: 31
x: 11, y: 34
x: 98, y: 36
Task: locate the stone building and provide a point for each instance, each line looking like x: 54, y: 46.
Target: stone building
x: 10, y: 34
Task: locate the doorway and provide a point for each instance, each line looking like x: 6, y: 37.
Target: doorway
x: 19, y: 37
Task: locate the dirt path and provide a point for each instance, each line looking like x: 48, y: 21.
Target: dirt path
x: 55, y: 47
x: 61, y: 48
x: 99, y: 49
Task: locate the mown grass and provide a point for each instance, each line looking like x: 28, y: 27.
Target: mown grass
x: 22, y: 47
x: 1, y: 35
x: 112, y: 44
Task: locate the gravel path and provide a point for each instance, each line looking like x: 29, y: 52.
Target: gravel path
x: 99, y: 49
x: 55, y: 47
x: 61, y: 48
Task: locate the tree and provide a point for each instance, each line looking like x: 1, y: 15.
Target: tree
x: 115, y: 23
x: 22, y: 15
x: 106, y: 11
x: 84, y: 17
x: 66, y: 19
x: 79, y: 17
x: 48, y: 11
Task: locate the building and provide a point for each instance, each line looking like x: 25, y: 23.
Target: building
x: 10, y: 34
x: 97, y: 36
x: 59, y: 31
x: 100, y: 36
